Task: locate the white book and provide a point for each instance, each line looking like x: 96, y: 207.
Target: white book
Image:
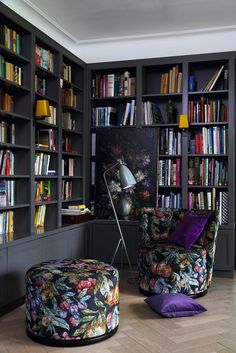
x: 110, y: 85
x: 132, y: 112
x: 127, y: 113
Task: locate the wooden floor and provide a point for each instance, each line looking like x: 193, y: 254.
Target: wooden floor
x: 141, y: 330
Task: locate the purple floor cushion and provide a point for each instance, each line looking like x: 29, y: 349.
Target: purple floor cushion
x: 174, y: 305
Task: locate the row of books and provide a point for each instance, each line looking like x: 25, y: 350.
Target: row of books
x: 40, y: 85
x: 52, y: 119
x: 44, y: 58
x: 6, y: 101
x: 7, y: 162
x: 66, y: 72
x: 213, y: 80
x: 39, y: 216
x: 69, y: 98
x: 7, y: 132
x: 67, y: 121
x: 67, y: 145
x: 6, y: 226
x: 152, y: 114
x: 171, y: 81
x: 42, y: 190
x: 7, y: 193
x: 10, y: 71
x: 41, y: 163
x: 10, y: 39
x: 212, y: 140
x: 169, y: 172
x: 173, y: 200
x: 66, y: 190
x: 207, y: 111
x: 114, y: 85
x: 170, y: 141
x: 210, y: 200
x: 45, y: 138
x: 207, y: 172
x: 109, y: 116
x: 67, y: 167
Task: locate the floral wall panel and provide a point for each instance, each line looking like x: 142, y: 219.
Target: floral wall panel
x: 136, y: 148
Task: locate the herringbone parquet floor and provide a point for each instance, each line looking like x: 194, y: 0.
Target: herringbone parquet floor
x: 143, y: 331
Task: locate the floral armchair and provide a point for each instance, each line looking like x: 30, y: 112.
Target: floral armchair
x: 167, y: 267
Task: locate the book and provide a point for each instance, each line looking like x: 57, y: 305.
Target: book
x: 210, y: 85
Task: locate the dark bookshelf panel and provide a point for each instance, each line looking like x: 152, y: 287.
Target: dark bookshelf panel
x: 46, y: 56
x: 169, y: 199
x: 17, y: 38
x: 72, y: 189
x: 203, y: 74
x: 114, y: 82
x: 21, y: 223
x: 44, y: 85
x: 45, y: 190
x: 117, y: 113
x: 72, y: 74
x: 162, y: 79
x: 45, y: 217
x: 207, y: 140
x: 161, y: 110
x: 211, y: 199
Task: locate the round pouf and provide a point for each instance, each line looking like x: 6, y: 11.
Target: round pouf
x: 71, y: 302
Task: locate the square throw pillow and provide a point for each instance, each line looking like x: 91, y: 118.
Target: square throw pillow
x: 174, y: 305
x: 189, y: 229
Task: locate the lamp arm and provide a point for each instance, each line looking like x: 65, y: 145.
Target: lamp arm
x: 116, y: 218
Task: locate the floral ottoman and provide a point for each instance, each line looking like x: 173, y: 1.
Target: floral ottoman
x: 71, y: 302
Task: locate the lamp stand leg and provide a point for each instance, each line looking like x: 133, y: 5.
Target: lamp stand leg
x: 117, y: 248
x: 121, y: 240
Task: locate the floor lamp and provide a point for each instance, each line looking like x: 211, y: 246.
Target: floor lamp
x: 127, y: 180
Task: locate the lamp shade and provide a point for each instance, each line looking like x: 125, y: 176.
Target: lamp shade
x: 42, y: 108
x: 126, y: 177
x: 183, y: 121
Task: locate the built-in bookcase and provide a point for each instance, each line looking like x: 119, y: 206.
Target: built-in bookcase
x: 113, y: 104
x: 72, y: 132
x: 46, y: 63
x: 161, y: 107
x: 196, y: 166
x: 208, y: 137
x: 33, y: 67
x: 15, y: 120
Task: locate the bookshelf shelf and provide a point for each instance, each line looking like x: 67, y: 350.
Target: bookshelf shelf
x: 44, y: 72
x: 17, y: 58
x: 12, y: 86
x: 12, y: 116
x: 44, y: 96
x: 15, y: 207
x: 210, y: 93
x: 13, y: 146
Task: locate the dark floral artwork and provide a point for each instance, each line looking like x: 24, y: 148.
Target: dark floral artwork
x: 135, y: 148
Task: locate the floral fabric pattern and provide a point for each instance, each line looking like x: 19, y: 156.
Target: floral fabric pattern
x: 72, y: 299
x: 165, y: 267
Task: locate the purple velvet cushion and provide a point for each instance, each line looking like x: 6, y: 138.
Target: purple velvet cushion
x: 174, y: 305
x: 189, y: 229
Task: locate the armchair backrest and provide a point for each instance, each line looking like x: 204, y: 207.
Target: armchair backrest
x: 156, y: 224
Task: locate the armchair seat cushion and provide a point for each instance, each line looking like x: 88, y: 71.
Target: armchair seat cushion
x: 169, y: 268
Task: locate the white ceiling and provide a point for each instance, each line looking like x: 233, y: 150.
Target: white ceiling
x: 113, y: 30
x: 99, y: 20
